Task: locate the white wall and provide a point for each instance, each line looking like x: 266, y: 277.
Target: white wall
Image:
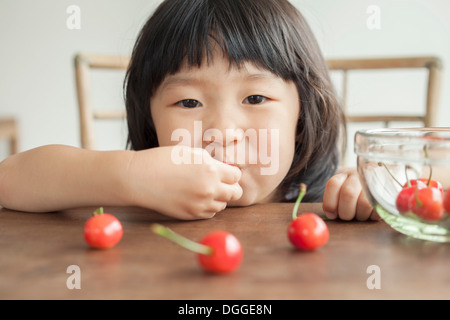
x: 36, y: 57
x: 407, y: 28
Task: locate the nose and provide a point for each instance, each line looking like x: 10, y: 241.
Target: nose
x: 223, y: 133
x: 223, y: 127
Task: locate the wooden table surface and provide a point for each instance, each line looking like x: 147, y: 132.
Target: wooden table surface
x: 37, y: 248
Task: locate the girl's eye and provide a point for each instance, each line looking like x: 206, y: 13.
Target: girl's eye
x: 255, y: 99
x: 189, y: 103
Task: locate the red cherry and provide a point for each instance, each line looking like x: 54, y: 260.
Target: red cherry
x: 428, y: 204
x: 423, y: 182
x: 447, y: 201
x: 103, y: 230
x: 437, y: 185
x: 218, y: 252
x: 309, y: 231
x: 404, y: 199
x: 226, y: 253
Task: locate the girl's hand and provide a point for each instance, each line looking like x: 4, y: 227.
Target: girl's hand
x: 182, y: 191
x: 344, y: 198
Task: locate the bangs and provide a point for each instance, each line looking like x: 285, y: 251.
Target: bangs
x: 270, y: 34
x: 243, y: 31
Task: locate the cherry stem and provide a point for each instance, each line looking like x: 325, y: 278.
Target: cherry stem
x: 416, y: 195
x: 299, y: 199
x: 425, y: 149
x: 390, y: 173
x: 98, y: 211
x: 408, y: 167
x: 180, y: 240
x: 408, y: 182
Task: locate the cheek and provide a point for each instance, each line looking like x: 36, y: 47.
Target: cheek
x: 259, y: 182
x: 169, y: 131
x: 165, y: 125
x: 281, y: 140
x: 281, y: 150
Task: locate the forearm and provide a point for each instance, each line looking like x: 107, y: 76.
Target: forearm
x: 58, y: 177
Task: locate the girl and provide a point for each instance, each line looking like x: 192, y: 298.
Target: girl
x: 208, y: 79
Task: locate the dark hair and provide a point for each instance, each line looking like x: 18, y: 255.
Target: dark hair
x: 272, y: 34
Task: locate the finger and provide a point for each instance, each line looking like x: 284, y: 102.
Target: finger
x: 331, y: 195
x: 215, y: 207
x: 348, y: 198
x: 374, y: 216
x: 227, y: 192
x: 221, y: 206
x: 363, y: 208
x: 229, y: 174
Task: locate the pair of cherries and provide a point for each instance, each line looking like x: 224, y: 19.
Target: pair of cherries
x: 218, y: 252
x: 425, y: 198
x: 221, y: 252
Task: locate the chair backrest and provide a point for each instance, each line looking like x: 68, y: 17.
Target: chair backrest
x: 432, y: 64
x: 84, y: 63
x: 427, y: 117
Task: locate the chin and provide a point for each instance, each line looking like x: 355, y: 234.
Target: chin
x: 244, y: 201
x: 249, y: 199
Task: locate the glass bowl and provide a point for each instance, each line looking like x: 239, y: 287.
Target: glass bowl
x: 406, y: 174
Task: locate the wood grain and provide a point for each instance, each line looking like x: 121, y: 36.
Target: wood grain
x: 37, y: 248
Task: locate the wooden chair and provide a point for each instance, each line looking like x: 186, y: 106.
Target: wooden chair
x: 84, y: 64
x: 9, y: 131
x: 428, y: 117
x: 432, y: 64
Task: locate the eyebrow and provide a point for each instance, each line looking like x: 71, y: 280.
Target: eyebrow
x: 182, y: 80
x: 178, y: 80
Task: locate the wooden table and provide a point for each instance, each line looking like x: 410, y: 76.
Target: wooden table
x: 37, y: 249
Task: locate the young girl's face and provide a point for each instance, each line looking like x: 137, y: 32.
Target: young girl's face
x: 244, y: 116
